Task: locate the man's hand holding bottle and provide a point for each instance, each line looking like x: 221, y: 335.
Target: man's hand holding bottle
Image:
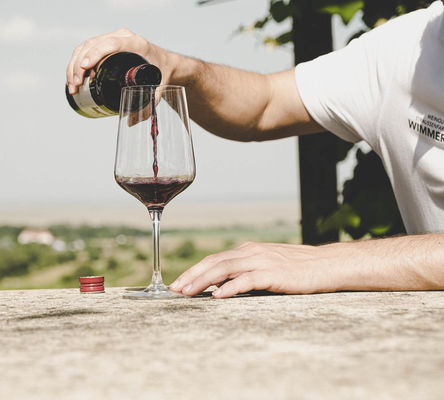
x: 89, y: 53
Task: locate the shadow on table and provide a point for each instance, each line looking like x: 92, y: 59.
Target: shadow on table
x: 208, y: 293
x: 251, y: 293
x: 57, y: 314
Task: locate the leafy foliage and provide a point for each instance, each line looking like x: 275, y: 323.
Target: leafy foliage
x: 20, y: 259
x: 368, y: 206
x: 10, y: 232
x: 86, y: 232
x: 112, y: 263
x: 140, y: 256
x: 72, y: 278
x: 346, y: 10
x: 186, y: 250
x: 373, y: 13
x: 373, y: 10
x: 94, y: 253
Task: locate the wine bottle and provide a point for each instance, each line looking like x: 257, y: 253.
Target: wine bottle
x: 99, y: 96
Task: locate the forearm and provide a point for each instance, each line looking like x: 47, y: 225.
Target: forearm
x: 413, y: 262
x: 241, y: 105
x: 400, y: 263
x: 228, y: 102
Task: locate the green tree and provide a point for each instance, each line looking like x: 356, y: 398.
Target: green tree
x: 19, y: 259
x: 186, y: 250
x: 366, y: 207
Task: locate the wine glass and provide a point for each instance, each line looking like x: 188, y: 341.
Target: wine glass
x: 154, y: 159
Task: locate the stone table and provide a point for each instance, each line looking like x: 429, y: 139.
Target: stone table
x: 60, y: 344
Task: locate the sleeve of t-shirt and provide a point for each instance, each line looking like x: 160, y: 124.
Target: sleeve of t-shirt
x: 342, y: 90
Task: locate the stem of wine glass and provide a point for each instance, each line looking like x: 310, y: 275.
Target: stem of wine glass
x: 157, y: 274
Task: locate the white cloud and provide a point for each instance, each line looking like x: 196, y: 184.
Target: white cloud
x: 21, y: 80
x: 62, y: 33
x: 21, y: 30
x: 16, y: 29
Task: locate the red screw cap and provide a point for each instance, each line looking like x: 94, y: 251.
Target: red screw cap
x: 92, y: 284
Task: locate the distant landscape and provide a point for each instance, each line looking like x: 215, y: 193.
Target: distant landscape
x: 122, y: 254
x: 179, y: 214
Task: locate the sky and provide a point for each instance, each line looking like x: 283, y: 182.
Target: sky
x: 51, y: 155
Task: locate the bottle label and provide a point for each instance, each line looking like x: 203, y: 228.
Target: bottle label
x: 87, y: 105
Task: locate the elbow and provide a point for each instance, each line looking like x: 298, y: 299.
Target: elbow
x: 252, y: 135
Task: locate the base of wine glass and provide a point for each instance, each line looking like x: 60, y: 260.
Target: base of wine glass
x: 159, y: 291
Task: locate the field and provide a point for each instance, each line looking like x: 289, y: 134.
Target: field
x: 122, y: 254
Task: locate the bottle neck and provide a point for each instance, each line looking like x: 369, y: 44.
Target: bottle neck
x: 143, y: 74
x: 130, y: 76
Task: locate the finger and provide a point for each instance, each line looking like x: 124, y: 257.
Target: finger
x: 249, y: 248
x: 70, y: 68
x: 77, y: 68
x: 91, y: 52
x: 243, y: 283
x: 81, y: 63
x: 106, y: 44
x: 208, y: 262
x: 81, y: 60
x: 226, y: 269
x: 123, y: 32
x: 99, y: 50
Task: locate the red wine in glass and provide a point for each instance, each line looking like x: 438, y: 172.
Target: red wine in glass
x: 154, y: 192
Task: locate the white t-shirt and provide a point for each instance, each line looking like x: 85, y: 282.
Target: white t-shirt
x: 387, y: 88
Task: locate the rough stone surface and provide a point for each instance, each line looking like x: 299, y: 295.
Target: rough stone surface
x: 60, y: 344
